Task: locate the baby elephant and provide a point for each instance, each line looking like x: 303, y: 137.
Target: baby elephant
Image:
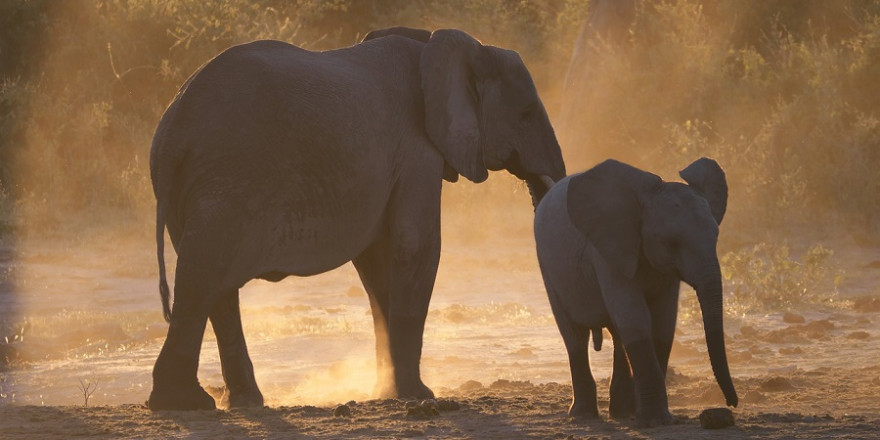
x: 614, y: 242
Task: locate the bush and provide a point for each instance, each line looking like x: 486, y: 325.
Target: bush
x: 84, y: 83
x: 781, y: 93
x: 777, y: 91
x: 766, y: 278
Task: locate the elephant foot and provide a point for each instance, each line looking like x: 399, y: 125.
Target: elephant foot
x: 418, y: 391
x: 622, y: 408
x: 583, y: 411
x: 181, y: 399
x: 659, y: 417
x: 251, y: 398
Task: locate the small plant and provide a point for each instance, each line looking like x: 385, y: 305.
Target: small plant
x: 87, y: 388
x: 766, y: 277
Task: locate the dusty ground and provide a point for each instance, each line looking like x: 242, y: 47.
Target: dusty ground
x: 816, y: 406
x: 90, y: 311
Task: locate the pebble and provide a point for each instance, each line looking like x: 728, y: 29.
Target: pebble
x: 716, y: 418
x: 342, y: 411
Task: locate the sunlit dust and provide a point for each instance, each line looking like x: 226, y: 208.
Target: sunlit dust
x: 782, y: 95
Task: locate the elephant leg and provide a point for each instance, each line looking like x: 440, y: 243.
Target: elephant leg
x: 411, y: 288
x: 583, y: 386
x: 631, y: 318
x: 623, y: 397
x: 374, y: 268
x: 664, y: 313
x: 238, y: 371
x: 175, y: 382
x: 414, y: 252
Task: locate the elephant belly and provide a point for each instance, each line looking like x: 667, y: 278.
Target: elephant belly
x: 307, y: 238
x: 272, y: 226
x: 561, y: 251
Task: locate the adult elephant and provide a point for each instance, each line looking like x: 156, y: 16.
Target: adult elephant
x: 613, y: 244
x: 274, y: 161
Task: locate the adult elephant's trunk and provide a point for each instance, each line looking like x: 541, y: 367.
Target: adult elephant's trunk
x: 709, y: 293
x: 538, y: 187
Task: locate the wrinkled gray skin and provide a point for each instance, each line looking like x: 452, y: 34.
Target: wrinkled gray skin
x: 613, y: 244
x: 274, y: 161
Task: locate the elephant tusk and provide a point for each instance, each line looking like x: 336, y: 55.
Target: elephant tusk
x: 547, y: 181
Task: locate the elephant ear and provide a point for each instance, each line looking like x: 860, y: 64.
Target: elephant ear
x: 604, y: 204
x: 447, y: 73
x: 707, y: 177
x: 411, y: 33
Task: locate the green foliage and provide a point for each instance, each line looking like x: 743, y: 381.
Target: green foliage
x: 782, y: 93
x: 83, y: 83
x: 767, y: 278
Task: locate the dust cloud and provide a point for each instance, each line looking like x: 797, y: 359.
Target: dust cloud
x: 772, y: 101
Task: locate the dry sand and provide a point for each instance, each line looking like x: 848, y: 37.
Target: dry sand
x: 823, y: 405
x: 815, y: 379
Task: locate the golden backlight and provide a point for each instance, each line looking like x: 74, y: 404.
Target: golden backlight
x: 782, y: 95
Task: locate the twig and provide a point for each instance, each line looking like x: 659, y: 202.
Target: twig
x: 87, y: 389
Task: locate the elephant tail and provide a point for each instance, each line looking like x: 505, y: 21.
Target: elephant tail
x: 161, y: 173
x: 164, y: 291
x: 166, y: 154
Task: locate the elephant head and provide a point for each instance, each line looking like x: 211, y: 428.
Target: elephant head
x: 483, y: 113
x: 638, y: 223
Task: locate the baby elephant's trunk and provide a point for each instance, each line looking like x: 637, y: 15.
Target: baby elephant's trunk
x: 709, y: 294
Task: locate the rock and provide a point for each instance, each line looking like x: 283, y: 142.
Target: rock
x: 429, y: 404
x: 793, y: 318
x: 342, y: 411
x: 777, y: 384
x: 716, y: 418
x: 421, y: 411
x: 858, y: 335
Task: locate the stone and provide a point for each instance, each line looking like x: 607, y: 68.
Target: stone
x: 342, y: 411
x: 716, y: 418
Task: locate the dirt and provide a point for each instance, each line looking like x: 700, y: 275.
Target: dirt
x: 492, y: 354
x: 520, y: 411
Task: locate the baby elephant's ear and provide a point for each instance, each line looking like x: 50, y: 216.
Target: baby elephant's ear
x: 603, y: 203
x: 707, y: 177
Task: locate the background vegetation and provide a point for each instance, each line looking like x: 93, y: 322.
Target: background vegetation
x: 784, y: 94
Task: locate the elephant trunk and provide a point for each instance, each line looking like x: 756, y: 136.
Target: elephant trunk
x: 538, y: 187
x: 709, y: 294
